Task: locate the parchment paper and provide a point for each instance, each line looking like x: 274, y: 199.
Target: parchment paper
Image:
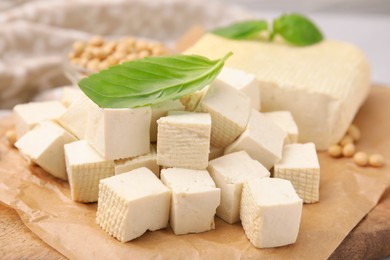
x: 347, y: 194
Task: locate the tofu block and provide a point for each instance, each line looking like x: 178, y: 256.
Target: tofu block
x: 322, y: 85
x: 284, y: 120
x: 229, y: 173
x: 131, y: 203
x: 215, y: 153
x: 270, y: 212
x: 229, y: 109
x: 70, y: 94
x: 184, y: 140
x: 118, y: 133
x: 28, y: 115
x: 148, y: 160
x: 243, y: 81
x: 194, y: 200
x: 85, y: 168
x: 300, y: 165
x: 160, y: 110
x: 75, y: 117
x: 44, y: 145
x: 262, y: 140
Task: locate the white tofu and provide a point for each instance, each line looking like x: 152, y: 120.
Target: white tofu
x: 194, y: 200
x: 70, y: 95
x: 262, y: 140
x: 229, y: 173
x: 229, y: 109
x: 270, y: 212
x: 28, y: 115
x: 85, y: 168
x: 118, y: 133
x: 160, y: 110
x: 44, y: 145
x: 243, y: 81
x: 300, y: 165
x: 184, y: 140
x: 76, y: 116
x: 148, y: 160
x: 131, y: 203
x: 285, y: 121
x: 215, y: 153
x: 322, y: 85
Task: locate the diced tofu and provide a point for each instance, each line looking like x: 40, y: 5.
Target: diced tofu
x: 184, y: 140
x: 229, y: 109
x: 215, y: 153
x: 148, y: 160
x: 85, y: 168
x: 119, y: 133
x: 194, y: 200
x: 70, y: 94
x: 160, y: 110
x: 243, y: 81
x: 44, y: 145
x: 285, y: 121
x: 270, y: 212
x: 300, y: 165
x: 131, y: 203
x: 28, y: 115
x: 262, y: 140
x: 229, y: 173
x: 76, y: 116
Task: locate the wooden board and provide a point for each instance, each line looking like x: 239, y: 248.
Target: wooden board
x: 369, y: 239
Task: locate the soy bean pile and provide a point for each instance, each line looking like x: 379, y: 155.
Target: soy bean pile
x: 98, y: 53
x: 346, y: 148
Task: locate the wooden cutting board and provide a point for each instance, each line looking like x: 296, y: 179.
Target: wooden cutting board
x: 369, y: 239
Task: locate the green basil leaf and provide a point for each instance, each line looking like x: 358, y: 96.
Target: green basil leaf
x: 297, y: 30
x: 150, y: 80
x: 242, y: 30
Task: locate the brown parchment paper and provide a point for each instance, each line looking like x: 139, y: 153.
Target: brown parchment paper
x: 347, y: 194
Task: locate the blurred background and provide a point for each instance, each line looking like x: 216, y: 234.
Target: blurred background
x: 35, y: 35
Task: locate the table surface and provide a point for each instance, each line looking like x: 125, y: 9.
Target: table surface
x: 368, y: 240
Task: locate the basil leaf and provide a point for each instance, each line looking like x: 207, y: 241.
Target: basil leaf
x: 297, y: 30
x: 150, y: 80
x: 242, y: 30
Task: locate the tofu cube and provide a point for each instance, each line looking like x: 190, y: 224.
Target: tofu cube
x: 229, y: 173
x: 85, y: 168
x: 148, y: 160
x: 131, y: 203
x: 159, y: 110
x: 270, y: 212
x: 194, y: 200
x: 191, y: 101
x: 300, y: 165
x: 28, y: 115
x: 229, y: 109
x: 262, y: 140
x: 285, y: 121
x: 70, y: 94
x: 243, y: 81
x: 76, y: 116
x: 215, y: 153
x: 118, y: 133
x: 44, y: 145
x: 184, y: 140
